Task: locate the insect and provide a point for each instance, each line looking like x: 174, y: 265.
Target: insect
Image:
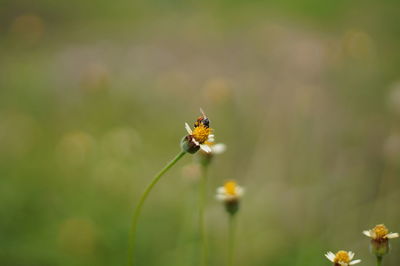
x: 202, y: 120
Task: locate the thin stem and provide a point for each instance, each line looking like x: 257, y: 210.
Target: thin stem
x: 202, y: 204
x: 231, y: 247
x: 143, y: 198
x: 379, y: 260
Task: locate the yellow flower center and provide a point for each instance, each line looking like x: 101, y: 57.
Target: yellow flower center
x: 201, y: 133
x: 342, y: 256
x: 230, y: 188
x: 380, y: 231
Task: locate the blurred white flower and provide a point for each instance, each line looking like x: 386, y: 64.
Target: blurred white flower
x: 380, y: 232
x: 231, y: 191
x: 380, y: 239
x: 217, y: 148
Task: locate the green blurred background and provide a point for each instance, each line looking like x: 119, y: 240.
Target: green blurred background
x: 94, y: 96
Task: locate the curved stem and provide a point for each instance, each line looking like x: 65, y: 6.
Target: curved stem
x: 138, y: 209
x: 231, y: 247
x: 202, y: 204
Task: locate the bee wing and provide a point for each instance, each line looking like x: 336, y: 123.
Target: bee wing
x: 202, y: 113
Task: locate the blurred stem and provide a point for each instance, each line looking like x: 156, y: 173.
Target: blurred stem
x: 231, y: 247
x: 142, y: 200
x: 379, y: 260
x: 202, y: 204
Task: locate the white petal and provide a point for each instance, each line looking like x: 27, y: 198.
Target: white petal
x: 205, y: 148
x: 220, y: 197
x: 188, y: 129
x: 221, y: 190
x: 351, y: 255
x: 239, y: 191
x: 218, y: 148
x: 195, y: 142
x: 367, y: 233
x: 355, y: 262
x: 343, y: 263
x: 211, y: 138
x: 392, y: 235
x: 330, y: 256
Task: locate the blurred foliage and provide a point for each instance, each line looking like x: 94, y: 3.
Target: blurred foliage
x: 93, y: 97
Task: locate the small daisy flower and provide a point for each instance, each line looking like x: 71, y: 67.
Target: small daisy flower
x: 230, y: 194
x: 380, y: 239
x: 199, y: 136
x: 230, y: 191
x: 380, y: 232
x: 342, y: 258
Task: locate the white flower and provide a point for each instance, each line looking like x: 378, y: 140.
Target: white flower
x: 231, y: 191
x: 380, y: 232
x: 342, y: 258
x: 200, y: 136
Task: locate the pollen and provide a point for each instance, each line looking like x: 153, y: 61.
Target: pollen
x: 230, y: 188
x: 380, y: 231
x: 201, y: 133
x: 342, y: 256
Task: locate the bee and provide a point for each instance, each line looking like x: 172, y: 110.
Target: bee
x: 202, y: 120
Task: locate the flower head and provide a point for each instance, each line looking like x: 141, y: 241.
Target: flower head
x: 231, y: 191
x: 380, y: 232
x: 230, y: 194
x: 342, y: 258
x: 380, y: 239
x: 201, y: 134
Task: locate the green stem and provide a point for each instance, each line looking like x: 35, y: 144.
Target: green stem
x: 142, y: 200
x: 379, y: 260
x: 231, y: 247
x: 202, y: 204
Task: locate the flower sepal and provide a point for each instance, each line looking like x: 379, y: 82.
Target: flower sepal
x: 232, y: 206
x: 188, y: 145
x: 379, y: 247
